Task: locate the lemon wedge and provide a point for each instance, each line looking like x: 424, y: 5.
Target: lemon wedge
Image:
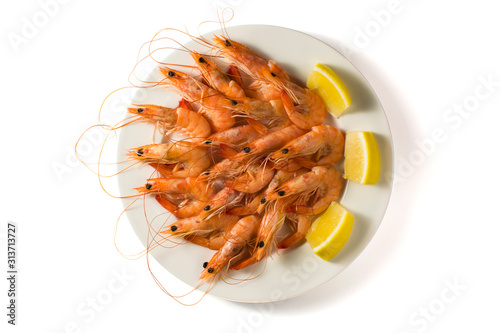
x: 330, y: 87
x: 330, y: 231
x: 362, y: 158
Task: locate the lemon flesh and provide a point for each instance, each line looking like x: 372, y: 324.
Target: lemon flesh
x: 330, y: 87
x: 362, y: 158
x: 330, y: 231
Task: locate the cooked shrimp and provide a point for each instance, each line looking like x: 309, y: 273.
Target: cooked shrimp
x: 303, y: 106
x: 224, y: 200
x: 190, y: 160
x: 264, y: 145
x: 263, y: 91
x: 215, y: 106
x: 325, y: 143
x: 193, y: 195
x: 322, y: 184
x: 170, y: 186
x: 255, y: 178
x: 256, y: 109
x: 226, y: 168
x: 249, y: 206
x: 302, y: 225
x: 216, y: 78
x: 240, y: 236
x: 253, y: 64
x: 271, y: 222
x: 188, y: 207
x: 155, y: 113
x: 191, y: 123
x: 280, y: 177
x: 237, y: 137
x: 209, y: 233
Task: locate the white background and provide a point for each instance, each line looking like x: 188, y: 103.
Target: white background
x: 431, y: 267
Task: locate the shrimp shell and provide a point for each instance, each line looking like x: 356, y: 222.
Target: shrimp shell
x: 322, y: 184
x: 325, y: 142
x: 238, y: 238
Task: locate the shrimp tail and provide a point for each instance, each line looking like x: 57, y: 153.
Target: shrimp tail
x: 164, y: 169
x: 244, y: 263
x: 304, y: 162
x: 183, y: 103
x: 258, y: 126
x: 165, y: 203
x: 226, y: 151
x: 234, y: 74
x: 290, y: 241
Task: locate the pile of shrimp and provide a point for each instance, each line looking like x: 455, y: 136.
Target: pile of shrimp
x: 255, y: 165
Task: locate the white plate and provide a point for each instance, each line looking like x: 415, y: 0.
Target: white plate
x: 298, y: 271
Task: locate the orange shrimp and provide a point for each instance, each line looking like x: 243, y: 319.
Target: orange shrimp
x: 216, y: 78
x: 215, y: 106
x: 191, y: 123
x: 255, y: 178
x: 264, y: 145
x: 155, y: 113
x: 183, y: 197
x: 193, y: 195
x: 324, y: 143
x: 190, y: 160
x: 224, y: 200
x: 210, y: 233
x: 253, y: 64
x: 226, y: 168
x: 263, y: 91
x: 237, y: 137
x: 271, y: 222
x: 249, y: 206
x: 322, y: 184
x: 187, y: 207
x: 304, y: 107
x: 256, y: 109
x: 280, y: 177
x: 240, y: 236
x: 172, y: 186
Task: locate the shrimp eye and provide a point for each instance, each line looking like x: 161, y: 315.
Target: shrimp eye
x: 206, y: 208
x: 148, y: 186
x: 263, y: 201
x: 246, y: 149
x: 281, y: 193
x: 202, y: 60
x: 261, y: 244
x: 285, y: 151
x: 274, y: 75
x: 210, y: 270
x: 171, y: 73
x: 205, y: 264
x: 208, y: 142
x: 228, y: 43
x: 140, y: 110
x: 206, y: 173
x: 233, y: 102
x: 173, y: 228
x: 140, y: 152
